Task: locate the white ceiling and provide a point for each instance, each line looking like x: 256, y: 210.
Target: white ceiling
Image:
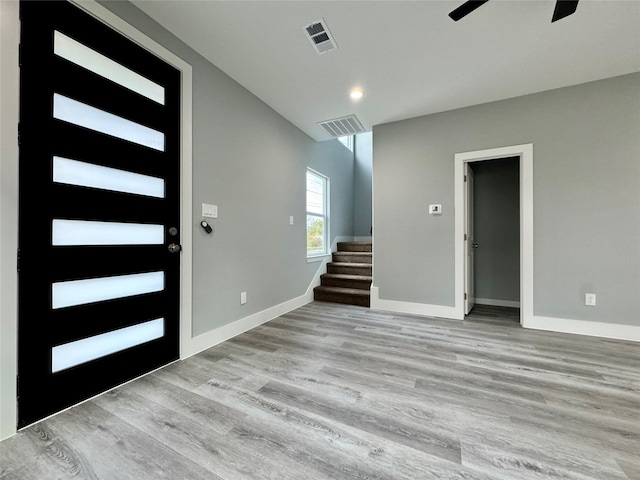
x: 409, y: 57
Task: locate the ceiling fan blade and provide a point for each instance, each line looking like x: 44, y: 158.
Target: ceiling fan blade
x: 564, y: 8
x: 466, y: 8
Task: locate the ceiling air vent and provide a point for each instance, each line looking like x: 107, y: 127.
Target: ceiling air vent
x: 339, y: 127
x: 320, y: 37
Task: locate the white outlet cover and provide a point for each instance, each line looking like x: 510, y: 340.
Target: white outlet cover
x: 243, y: 298
x: 590, y: 299
x: 291, y: 220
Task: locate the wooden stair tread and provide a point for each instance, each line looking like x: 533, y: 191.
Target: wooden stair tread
x: 347, y: 264
x: 347, y: 280
x: 350, y: 268
x: 347, y: 276
x: 355, y: 246
x: 352, y: 257
x: 349, y: 296
x: 343, y: 291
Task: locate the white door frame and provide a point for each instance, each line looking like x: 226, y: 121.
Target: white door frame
x: 525, y: 153
x: 469, y: 240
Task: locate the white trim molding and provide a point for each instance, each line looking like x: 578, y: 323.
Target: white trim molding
x: 412, y: 308
x: 525, y: 153
x: 497, y: 303
x: 226, y: 332
x: 583, y: 327
x: 233, y: 329
x: 9, y: 95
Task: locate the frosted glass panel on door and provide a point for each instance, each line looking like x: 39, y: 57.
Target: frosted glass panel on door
x: 74, y: 172
x: 81, y: 232
x: 80, y: 292
x: 84, y: 115
x: 88, y: 58
x: 81, y: 351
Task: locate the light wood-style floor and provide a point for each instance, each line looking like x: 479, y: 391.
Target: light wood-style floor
x: 332, y: 391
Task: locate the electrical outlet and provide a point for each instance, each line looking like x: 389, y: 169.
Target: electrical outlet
x: 590, y: 299
x: 243, y: 298
x: 291, y: 220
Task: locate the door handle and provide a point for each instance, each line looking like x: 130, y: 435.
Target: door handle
x: 174, y: 247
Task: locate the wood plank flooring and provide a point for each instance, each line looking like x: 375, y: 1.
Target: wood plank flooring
x: 339, y: 392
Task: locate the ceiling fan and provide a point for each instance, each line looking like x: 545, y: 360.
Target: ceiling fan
x: 564, y: 8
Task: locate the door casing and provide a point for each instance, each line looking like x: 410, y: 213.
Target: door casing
x: 469, y: 240
x: 525, y: 154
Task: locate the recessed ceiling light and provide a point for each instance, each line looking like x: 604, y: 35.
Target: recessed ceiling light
x: 356, y: 94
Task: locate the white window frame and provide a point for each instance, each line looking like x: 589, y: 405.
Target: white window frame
x: 325, y: 198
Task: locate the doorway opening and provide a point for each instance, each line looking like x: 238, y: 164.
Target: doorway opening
x: 464, y: 239
x: 493, y: 231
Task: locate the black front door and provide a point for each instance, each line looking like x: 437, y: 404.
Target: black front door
x: 99, y: 209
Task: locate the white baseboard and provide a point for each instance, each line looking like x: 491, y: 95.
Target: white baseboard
x: 233, y: 329
x: 552, y: 324
x: 412, y: 308
x: 583, y: 327
x: 497, y: 303
x: 227, y: 332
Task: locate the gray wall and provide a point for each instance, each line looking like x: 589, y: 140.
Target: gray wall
x: 251, y: 163
x: 362, y: 183
x: 586, y: 177
x: 496, y: 208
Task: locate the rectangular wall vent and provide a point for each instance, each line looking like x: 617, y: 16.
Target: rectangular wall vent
x: 320, y: 37
x: 339, y: 127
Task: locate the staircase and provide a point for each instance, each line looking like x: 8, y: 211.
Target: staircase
x: 348, y: 276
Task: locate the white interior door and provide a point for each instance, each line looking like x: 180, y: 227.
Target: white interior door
x: 469, y: 300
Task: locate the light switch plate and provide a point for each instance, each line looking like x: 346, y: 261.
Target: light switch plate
x: 291, y: 220
x: 210, y: 211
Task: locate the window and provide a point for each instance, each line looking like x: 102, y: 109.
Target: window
x: 317, y: 214
x: 347, y: 141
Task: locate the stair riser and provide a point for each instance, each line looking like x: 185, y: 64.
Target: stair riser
x: 351, y: 264
x: 363, y: 301
x: 354, y: 247
x: 347, y: 258
x: 349, y: 270
x: 345, y: 283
